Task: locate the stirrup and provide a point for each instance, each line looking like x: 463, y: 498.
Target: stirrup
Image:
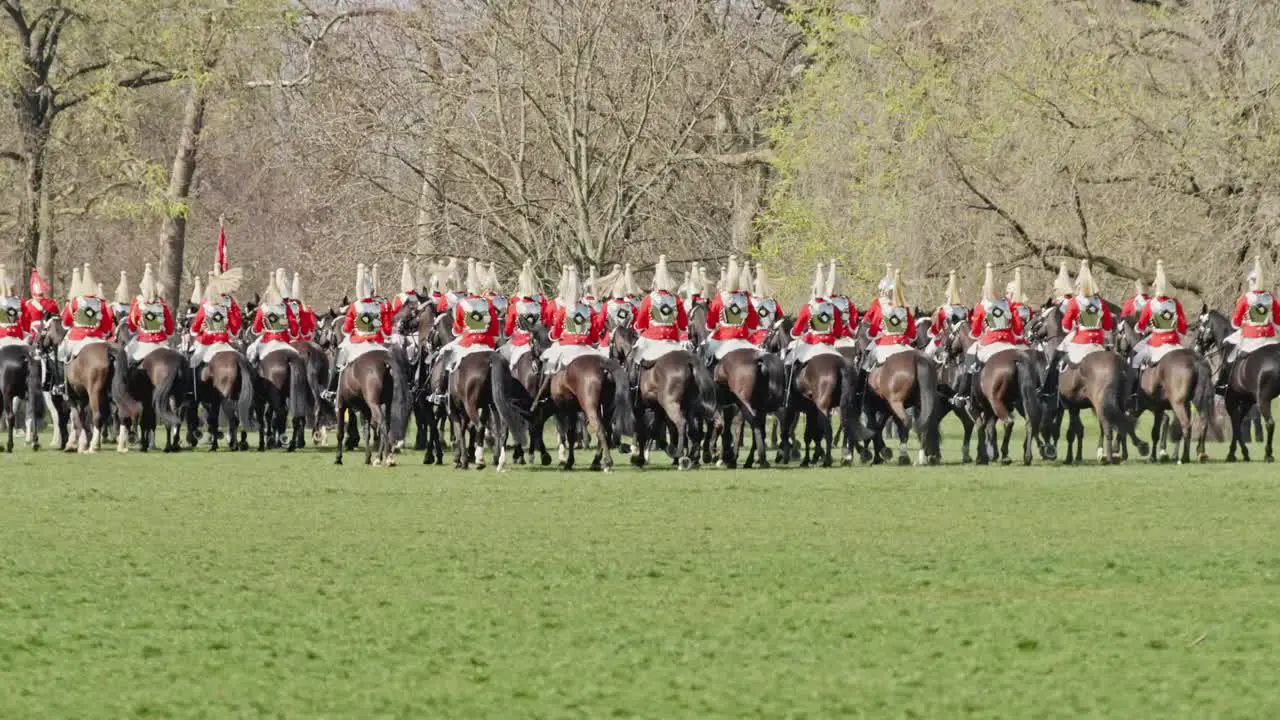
x: 328, y: 395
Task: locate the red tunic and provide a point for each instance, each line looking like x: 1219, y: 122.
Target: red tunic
x: 210, y: 338
x: 988, y: 336
x: 1085, y: 336
x: 283, y: 336
x: 106, y: 323
x: 511, y: 326
x: 379, y: 335
x: 1164, y: 337
x: 1255, y: 331
x: 938, y: 325
x: 134, y: 321
x: 1131, y: 305
x: 42, y: 307
x: 731, y: 332
x: 660, y: 332
x: 26, y: 316
x: 873, y: 313
x: 813, y: 337
x: 875, y: 330
x: 397, y: 303
x: 594, y: 334
x: 467, y: 337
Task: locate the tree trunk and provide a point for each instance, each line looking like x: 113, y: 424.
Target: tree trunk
x: 35, y: 140
x: 748, y: 188
x: 47, y: 253
x: 174, y: 233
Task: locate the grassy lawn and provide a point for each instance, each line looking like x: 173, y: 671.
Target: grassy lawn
x: 228, y: 586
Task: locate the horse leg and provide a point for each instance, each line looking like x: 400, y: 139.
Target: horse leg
x: 211, y: 423
x: 728, y: 455
x: 1269, y: 423
x: 341, y: 412
x: 826, y: 435
x: 10, y: 421
x: 681, y: 423
x: 1158, y: 435
x: 367, y: 433
x: 571, y: 440
x: 1236, y: 416
x: 785, y: 432
x: 641, y: 450
x: 1007, y: 422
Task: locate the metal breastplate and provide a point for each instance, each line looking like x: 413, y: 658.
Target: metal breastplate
x: 766, y: 310
x: 475, y: 313
x: 452, y: 298
x: 577, y: 318
x: 88, y: 312
x: 896, y: 320
x: 368, y: 317
x: 274, y: 318
x: 1024, y: 312
x: 151, y: 317
x: 215, y: 317
x: 822, y: 316
x: 1090, y: 312
x: 997, y: 315
x: 1259, y: 308
x: 736, y: 306
x: 500, y: 303
x: 1164, y: 314
x: 10, y: 311
x: 663, y: 309
x: 842, y: 304
x: 621, y: 311
x: 528, y: 313
x: 954, y: 314
x: 1140, y: 302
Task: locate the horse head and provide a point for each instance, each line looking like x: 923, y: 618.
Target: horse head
x: 779, y: 335
x: 621, y: 341
x: 1211, y: 330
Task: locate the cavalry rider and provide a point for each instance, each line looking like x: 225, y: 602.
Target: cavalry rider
x: 1017, y: 298
x: 660, y: 319
x: 885, y: 290
x: 949, y: 314
x: 499, y: 299
x: 217, y: 321
x: 16, y: 316
x: 592, y: 293
x: 848, y: 311
x: 620, y: 310
x: 273, y: 322
x: 1163, y: 317
x: 475, y: 323
x: 1087, y: 321
x: 41, y: 305
x: 577, y: 331
x: 122, y: 303
x: 366, y: 326
x: 1255, y: 318
x: 1063, y: 289
x: 892, y: 329
x: 306, y: 316
x: 731, y: 317
x: 815, y: 330
x: 524, y: 312
x: 768, y: 309
x: 150, y: 320
x: 996, y: 326
x: 87, y: 318
x: 1133, y: 306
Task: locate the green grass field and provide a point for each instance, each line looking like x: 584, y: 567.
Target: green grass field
x: 239, y: 586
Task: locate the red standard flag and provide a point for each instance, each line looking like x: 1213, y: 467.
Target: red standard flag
x: 222, y: 247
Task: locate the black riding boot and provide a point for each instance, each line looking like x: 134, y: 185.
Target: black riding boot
x: 1224, y: 377
x: 964, y: 383
x: 1050, y: 389
x: 331, y: 393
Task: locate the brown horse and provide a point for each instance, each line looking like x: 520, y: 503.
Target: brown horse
x: 1254, y: 381
x: 21, y: 377
x: 376, y: 386
x: 287, y: 390
x: 1174, y: 384
x: 750, y: 384
x: 154, y: 390
x: 597, y: 388
x: 317, y: 361
x: 88, y: 384
x: 903, y: 381
x: 470, y: 402
x: 1009, y: 382
x: 225, y: 385
x: 678, y: 385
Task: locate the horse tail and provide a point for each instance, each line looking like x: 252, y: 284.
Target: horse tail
x: 624, y: 413
x: 706, y: 387
x: 35, y: 390
x: 1206, y: 400
x: 401, y: 406
x: 117, y: 360
x: 850, y: 412
x: 163, y: 392
x: 501, y: 382
x: 775, y: 376
x: 1112, y: 411
x: 244, y: 404
x: 1029, y: 389
x: 927, y: 420
x: 302, y: 391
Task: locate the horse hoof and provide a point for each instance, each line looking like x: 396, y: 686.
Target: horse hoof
x: 636, y: 460
x: 1268, y: 458
x: 607, y: 469
x: 1066, y: 461
x: 965, y: 460
x: 865, y: 456
x: 1204, y: 457
x: 546, y: 460
x: 684, y: 463
x: 764, y: 465
x: 826, y: 461
x: 1230, y: 458
x: 983, y: 461
x: 624, y: 448
x: 1006, y: 461
x: 904, y: 460
x: 479, y: 466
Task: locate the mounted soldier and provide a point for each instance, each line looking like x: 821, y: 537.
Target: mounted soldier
x: 274, y: 323
x: 525, y: 311
x: 885, y: 290
x: 1017, y: 298
x: 1063, y: 289
x: 16, y: 316
x: 768, y: 309
x: 949, y: 314
x: 996, y: 325
x: 217, y: 321
x: 367, y: 327
x: 408, y: 294
x: 1133, y: 306
x: 620, y: 310
x: 660, y: 319
x: 592, y: 292
x: 475, y: 325
x: 40, y: 305
x: 150, y: 320
x: 577, y: 331
x: 816, y: 328
x: 122, y: 303
x: 1087, y: 321
x: 848, y: 311
x: 494, y: 293
x: 1162, y: 323
x: 87, y: 318
x: 892, y: 329
x: 1256, y: 318
x: 302, y: 311
x: 731, y: 317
